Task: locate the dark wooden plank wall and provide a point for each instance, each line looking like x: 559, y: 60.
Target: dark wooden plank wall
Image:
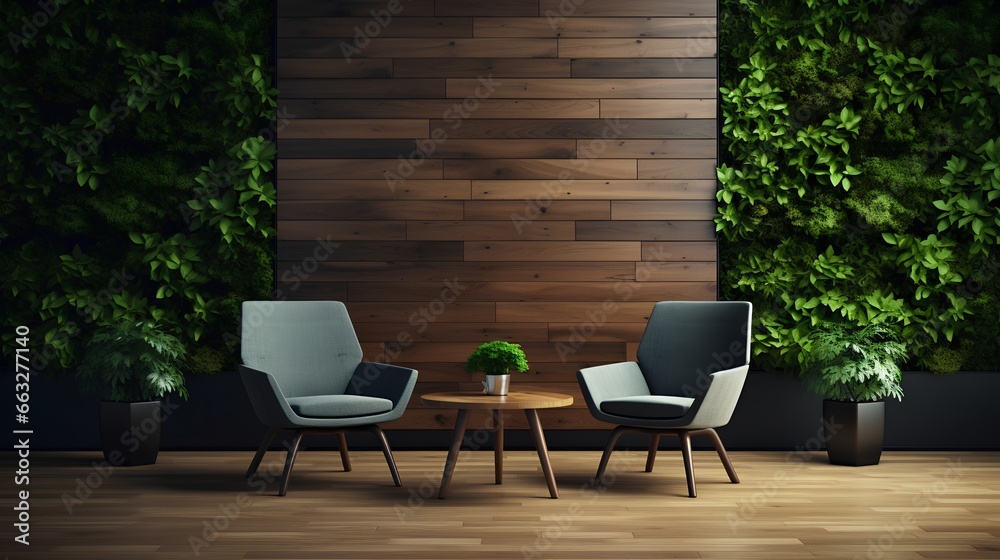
x: 539, y: 171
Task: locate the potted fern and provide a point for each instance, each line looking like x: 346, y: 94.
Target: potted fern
x: 496, y: 359
x: 132, y: 364
x: 855, y: 369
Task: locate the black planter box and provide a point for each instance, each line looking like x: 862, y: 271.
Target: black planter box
x: 130, y: 432
x: 855, y: 432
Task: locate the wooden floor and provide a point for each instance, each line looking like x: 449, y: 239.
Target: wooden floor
x: 197, y: 504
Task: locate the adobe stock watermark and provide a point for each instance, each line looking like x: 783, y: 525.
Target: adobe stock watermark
x: 102, y: 471
x: 425, y: 147
x: 363, y: 36
x: 877, y: 548
x: 32, y: 25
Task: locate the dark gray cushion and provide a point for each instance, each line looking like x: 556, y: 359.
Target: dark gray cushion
x: 648, y: 406
x: 338, y: 406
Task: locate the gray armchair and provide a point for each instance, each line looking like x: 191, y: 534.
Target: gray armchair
x: 691, y: 364
x: 303, y: 372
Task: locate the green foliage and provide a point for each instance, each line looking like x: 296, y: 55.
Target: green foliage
x: 137, y: 181
x: 133, y: 361
x: 857, y: 364
x: 860, y: 179
x: 497, y: 358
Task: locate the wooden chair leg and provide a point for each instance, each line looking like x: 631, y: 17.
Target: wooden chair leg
x: 388, y: 454
x: 685, y: 437
x: 290, y: 460
x: 651, y: 456
x: 616, y: 434
x: 261, y: 451
x: 723, y: 456
x: 342, y: 446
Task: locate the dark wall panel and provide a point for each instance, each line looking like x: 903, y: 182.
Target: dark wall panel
x: 460, y: 171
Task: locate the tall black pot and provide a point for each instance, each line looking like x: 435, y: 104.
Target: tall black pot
x: 855, y: 432
x: 130, y: 432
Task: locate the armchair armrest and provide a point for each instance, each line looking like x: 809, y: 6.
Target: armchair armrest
x: 611, y: 381
x: 716, y: 406
x: 373, y: 379
x: 266, y: 397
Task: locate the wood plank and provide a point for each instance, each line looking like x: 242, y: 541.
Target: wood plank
x: 661, y: 230
x: 421, y: 271
x: 574, y: 312
x: 336, y: 250
x: 351, y: 88
x: 632, y: 8
x: 506, y: 148
x: 373, y: 189
x: 430, y: 47
x: 551, y: 251
x: 586, y: 88
x: 638, y: 48
x: 663, y: 210
x: 674, y: 251
x: 444, y: 108
x: 541, y: 208
x: 677, y: 271
x: 474, y: 67
x: 297, y: 290
x: 618, y: 189
x: 608, y: 332
x: 416, y: 315
x: 391, y: 26
x: 495, y: 8
x: 454, y: 332
x: 578, y: 128
x: 642, y: 149
x: 377, y: 148
x: 290, y: 230
x: 356, y: 128
x: 535, y: 291
x: 352, y: 169
x: 354, y: 8
x: 644, y: 68
x: 490, y: 230
x: 367, y: 210
x: 418, y: 352
x: 658, y: 109
x: 677, y: 168
x: 540, y: 168
x: 603, y: 27
x: 333, y: 68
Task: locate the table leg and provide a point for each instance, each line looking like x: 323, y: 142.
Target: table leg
x: 456, y: 445
x: 543, y: 450
x: 498, y: 445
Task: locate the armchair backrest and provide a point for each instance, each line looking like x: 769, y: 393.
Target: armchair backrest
x: 310, y: 347
x: 685, y: 341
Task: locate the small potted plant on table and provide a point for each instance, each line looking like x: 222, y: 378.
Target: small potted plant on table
x: 132, y: 364
x: 496, y: 359
x: 855, y: 368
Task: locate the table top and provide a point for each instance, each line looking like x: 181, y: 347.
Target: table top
x: 513, y: 399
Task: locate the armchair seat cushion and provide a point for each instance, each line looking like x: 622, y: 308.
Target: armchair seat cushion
x: 647, y: 406
x: 338, y: 406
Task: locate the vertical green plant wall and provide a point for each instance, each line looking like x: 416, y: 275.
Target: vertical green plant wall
x: 861, y: 173
x: 136, y: 179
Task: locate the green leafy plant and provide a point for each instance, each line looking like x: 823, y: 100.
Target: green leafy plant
x: 856, y: 364
x: 497, y: 358
x: 133, y: 361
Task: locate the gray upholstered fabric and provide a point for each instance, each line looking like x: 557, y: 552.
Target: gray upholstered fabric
x: 295, y: 349
x: 693, y: 350
x: 650, y: 406
x: 338, y: 406
x: 308, y: 346
x: 685, y: 341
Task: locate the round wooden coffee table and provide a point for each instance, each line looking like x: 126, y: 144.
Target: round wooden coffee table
x: 528, y: 401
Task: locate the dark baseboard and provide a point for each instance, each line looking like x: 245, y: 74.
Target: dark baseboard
x: 938, y: 413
